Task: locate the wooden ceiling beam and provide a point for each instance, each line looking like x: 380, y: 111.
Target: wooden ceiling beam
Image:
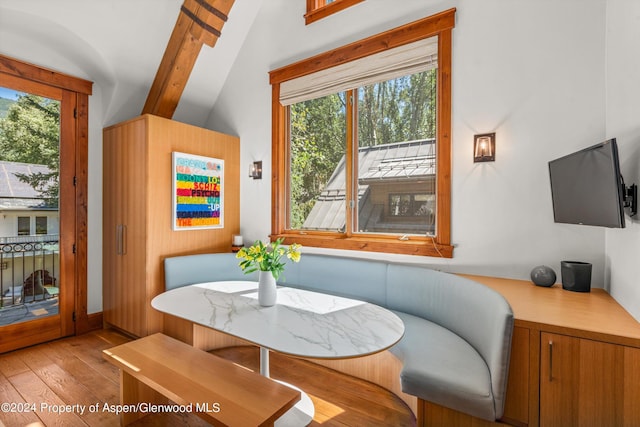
x: 199, y: 22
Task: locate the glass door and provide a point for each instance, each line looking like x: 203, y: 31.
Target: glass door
x: 35, y: 300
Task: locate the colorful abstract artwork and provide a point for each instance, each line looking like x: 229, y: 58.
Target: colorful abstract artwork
x: 198, y: 186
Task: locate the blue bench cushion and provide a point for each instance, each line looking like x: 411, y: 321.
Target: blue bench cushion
x: 442, y: 368
x: 359, y: 279
x: 475, y: 312
x: 189, y: 269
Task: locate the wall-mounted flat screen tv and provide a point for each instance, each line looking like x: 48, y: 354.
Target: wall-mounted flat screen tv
x: 587, y: 187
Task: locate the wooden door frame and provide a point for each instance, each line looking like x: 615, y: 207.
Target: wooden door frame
x: 74, y: 108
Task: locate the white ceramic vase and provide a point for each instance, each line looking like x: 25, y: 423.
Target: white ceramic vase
x: 266, y: 289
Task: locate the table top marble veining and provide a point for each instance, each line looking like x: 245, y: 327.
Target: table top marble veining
x: 302, y: 323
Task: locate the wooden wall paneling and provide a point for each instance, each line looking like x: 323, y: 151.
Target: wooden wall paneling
x: 138, y: 196
x: 517, y: 401
x: 110, y: 218
x: 208, y: 339
x: 631, y: 388
x: 433, y: 415
x: 134, y: 188
x: 164, y: 138
x: 177, y: 328
x: 125, y: 171
x: 381, y: 368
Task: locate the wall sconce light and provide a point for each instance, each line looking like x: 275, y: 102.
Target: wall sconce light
x: 255, y: 170
x: 484, y: 147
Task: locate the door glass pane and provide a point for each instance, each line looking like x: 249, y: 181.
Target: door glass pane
x: 317, y: 180
x: 30, y: 164
x: 397, y: 156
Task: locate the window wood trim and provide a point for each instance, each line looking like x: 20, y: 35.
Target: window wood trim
x: 440, y: 25
x: 317, y: 9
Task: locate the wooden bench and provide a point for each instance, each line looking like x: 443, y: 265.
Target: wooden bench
x: 159, y: 370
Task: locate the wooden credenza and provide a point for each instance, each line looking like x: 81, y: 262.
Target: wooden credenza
x: 137, y: 213
x: 575, y: 358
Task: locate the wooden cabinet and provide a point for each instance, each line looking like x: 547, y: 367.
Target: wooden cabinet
x: 579, y: 382
x: 587, y: 383
x: 137, y: 219
x: 575, y: 358
x: 516, y: 408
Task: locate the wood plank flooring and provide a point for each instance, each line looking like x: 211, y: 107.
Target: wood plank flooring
x: 37, y: 382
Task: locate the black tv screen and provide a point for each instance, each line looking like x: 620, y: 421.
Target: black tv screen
x: 587, y: 188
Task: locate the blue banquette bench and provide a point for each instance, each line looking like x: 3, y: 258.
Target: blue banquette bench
x: 457, y: 342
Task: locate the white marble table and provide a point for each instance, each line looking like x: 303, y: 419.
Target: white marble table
x: 302, y: 323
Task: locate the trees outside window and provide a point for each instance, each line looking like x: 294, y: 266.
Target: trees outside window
x: 395, y: 145
x: 30, y: 133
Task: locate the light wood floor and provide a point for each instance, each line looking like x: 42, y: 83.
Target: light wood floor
x: 72, y: 372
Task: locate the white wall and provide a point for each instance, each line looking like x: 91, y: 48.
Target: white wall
x: 623, y: 123
x: 530, y: 71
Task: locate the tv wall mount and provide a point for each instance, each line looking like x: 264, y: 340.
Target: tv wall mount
x: 630, y: 198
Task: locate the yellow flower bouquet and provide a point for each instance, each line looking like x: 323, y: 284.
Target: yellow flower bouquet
x: 267, y: 257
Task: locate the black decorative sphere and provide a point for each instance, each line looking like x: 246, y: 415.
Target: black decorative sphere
x: 543, y: 276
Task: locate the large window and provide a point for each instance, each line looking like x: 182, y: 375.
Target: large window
x: 361, y: 143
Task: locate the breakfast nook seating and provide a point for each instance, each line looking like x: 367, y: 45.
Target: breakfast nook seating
x: 456, y: 347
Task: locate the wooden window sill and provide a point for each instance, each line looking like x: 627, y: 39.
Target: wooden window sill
x: 414, y: 246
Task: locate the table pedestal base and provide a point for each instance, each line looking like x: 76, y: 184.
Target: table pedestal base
x: 301, y: 414
x: 303, y: 411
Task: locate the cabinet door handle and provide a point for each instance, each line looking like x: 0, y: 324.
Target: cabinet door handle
x: 119, y: 239
x: 550, y: 361
x: 123, y: 240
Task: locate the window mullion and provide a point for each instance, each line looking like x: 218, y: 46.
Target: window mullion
x: 351, y: 164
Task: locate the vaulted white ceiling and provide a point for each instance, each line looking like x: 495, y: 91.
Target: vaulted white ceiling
x: 118, y: 44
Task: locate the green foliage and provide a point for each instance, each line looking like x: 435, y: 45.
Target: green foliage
x: 318, y: 133
x: 267, y: 257
x: 402, y: 109
x: 4, y: 106
x: 30, y: 133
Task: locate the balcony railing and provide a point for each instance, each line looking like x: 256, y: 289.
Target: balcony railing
x: 29, y: 269
x: 30, y: 239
